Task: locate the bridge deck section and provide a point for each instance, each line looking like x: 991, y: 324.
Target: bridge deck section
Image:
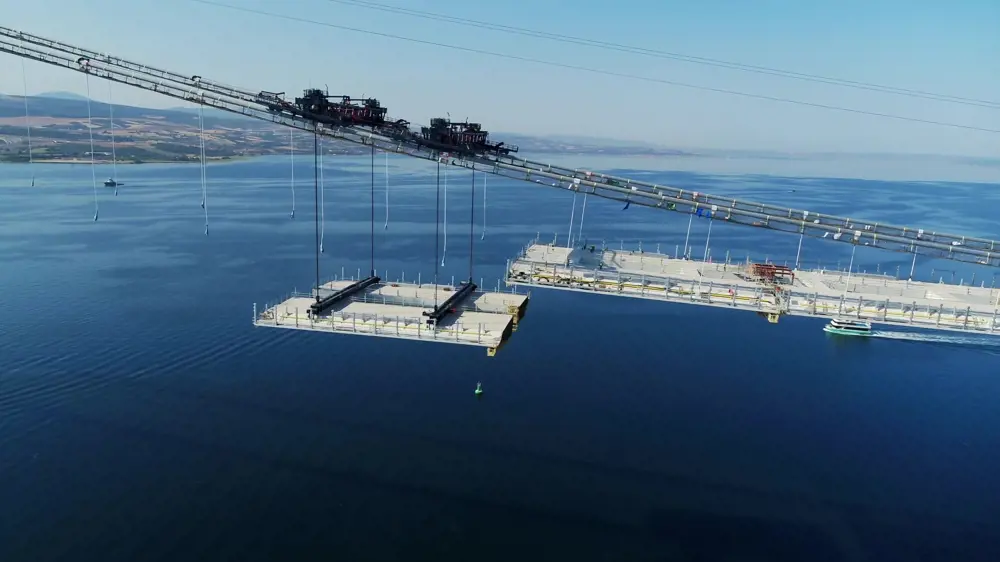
x: 396, y: 310
x: 879, y: 299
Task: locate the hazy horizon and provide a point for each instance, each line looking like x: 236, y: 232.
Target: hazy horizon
x: 915, y: 46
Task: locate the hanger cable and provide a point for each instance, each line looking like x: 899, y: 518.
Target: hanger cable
x: 204, y: 170
x: 90, y: 131
x: 444, y: 216
x: 27, y: 118
x: 373, y: 214
x: 291, y: 154
x: 114, y: 154
x: 322, y: 199
x: 316, y: 200
x: 572, y: 215
x: 386, y: 227
x: 472, y: 221
x: 437, y: 229
x: 483, y: 237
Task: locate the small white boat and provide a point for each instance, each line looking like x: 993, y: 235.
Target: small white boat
x: 848, y: 328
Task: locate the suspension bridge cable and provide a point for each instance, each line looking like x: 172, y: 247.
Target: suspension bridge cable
x: 291, y: 153
x: 90, y: 131
x: 27, y: 117
x: 472, y: 221
x: 322, y: 199
x: 204, y: 171
x: 114, y: 155
x: 605, y: 72
x: 484, y: 206
x: 373, y: 213
x: 583, y: 212
x: 572, y: 215
x: 576, y: 40
x: 444, y: 216
x: 386, y: 227
x: 316, y: 199
x: 437, y: 229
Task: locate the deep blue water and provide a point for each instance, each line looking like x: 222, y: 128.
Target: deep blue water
x: 142, y: 417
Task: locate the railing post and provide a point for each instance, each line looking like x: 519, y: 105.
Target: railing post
x: 296, y: 317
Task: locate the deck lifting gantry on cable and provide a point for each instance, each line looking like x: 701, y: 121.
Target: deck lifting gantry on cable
x: 365, y: 122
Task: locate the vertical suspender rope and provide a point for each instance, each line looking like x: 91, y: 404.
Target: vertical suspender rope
x: 114, y: 154
x: 386, y: 227
x: 373, y: 213
x: 579, y: 232
x: 322, y: 197
x: 444, y: 250
x: 484, y: 206
x: 472, y: 221
x: 291, y: 154
x: 27, y: 117
x: 572, y: 215
x: 316, y: 199
x: 90, y: 131
x: 204, y: 171
x: 437, y: 229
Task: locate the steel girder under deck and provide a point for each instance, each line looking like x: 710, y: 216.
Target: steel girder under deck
x: 760, y: 215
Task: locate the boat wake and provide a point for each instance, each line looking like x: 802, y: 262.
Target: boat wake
x: 985, y: 342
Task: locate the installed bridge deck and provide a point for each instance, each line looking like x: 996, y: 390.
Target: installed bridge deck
x: 397, y: 310
x: 876, y: 298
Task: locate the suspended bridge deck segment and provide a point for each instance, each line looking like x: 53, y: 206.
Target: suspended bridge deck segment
x: 769, y: 290
x: 397, y: 310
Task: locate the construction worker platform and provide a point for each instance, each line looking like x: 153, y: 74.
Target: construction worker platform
x: 438, y: 313
x: 769, y: 289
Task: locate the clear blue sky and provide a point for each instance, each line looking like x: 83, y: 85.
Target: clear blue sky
x: 944, y: 47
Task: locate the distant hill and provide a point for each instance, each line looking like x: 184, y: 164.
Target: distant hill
x: 73, y: 106
x: 154, y: 123
x: 62, y: 96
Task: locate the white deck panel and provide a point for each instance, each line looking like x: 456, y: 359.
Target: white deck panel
x: 396, y: 310
x: 876, y: 298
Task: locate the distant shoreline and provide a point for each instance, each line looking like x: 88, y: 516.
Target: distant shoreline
x: 125, y: 162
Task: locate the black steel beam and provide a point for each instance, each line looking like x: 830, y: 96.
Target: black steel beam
x: 324, y: 304
x: 448, y: 306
